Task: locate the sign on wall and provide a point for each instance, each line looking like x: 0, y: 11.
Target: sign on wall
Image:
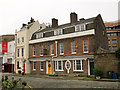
x: 0, y: 48
x: 4, y: 47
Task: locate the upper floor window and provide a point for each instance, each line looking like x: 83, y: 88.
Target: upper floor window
x: 41, y: 50
x: 109, y: 48
x: 41, y: 65
x: 52, y: 49
x: 114, y: 41
x: 73, y: 47
x: 22, y: 39
x: 85, y: 46
x: 108, y: 41
x: 59, y: 65
x: 17, y: 52
x: 59, y: 32
x: 80, y: 27
x: 61, y: 48
x: 22, y: 52
x: 18, y: 40
x: 40, y: 35
x: 77, y: 65
x: 34, y: 65
x: 17, y: 64
x: 34, y: 50
x: 113, y: 34
x: 114, y: 48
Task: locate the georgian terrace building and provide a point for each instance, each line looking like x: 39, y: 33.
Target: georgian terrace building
x: 67, y: 48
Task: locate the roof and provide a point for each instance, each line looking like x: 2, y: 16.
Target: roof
x: 67, y: 24
x: 114, y: 23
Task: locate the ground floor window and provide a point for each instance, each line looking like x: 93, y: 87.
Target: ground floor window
x: 41, y: 65
x: 34, y: 65
x: 59, y: 65
x: 77, y: 65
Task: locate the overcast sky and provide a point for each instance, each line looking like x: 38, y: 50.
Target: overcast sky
x: 15, y: 12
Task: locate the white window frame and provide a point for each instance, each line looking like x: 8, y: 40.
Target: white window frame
x: 77, y: 28
x: 52, y: 49
x: 41, y: 50
x: 57, y: 66
x: 34, y: 63
x: 61, y: 48
x: 40, y: 35
x: 82, y: 26
x: 59, y: 32
x: 86, y: 46
x: 73, y: 47
x: 41, y: 65
x: 75, y: 67
x: 33, y: 50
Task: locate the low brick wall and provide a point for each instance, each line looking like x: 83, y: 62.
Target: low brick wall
x: 108, y: 62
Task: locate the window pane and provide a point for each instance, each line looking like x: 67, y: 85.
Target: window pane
x: 41, y: 65
x: 61, y: 47
x: 41, y: 50
x: 114, y: 41
x: 52, y: 49
x: 85, y: 46
x: 108, y: 41
x: 114, y: 48
x: 73, y: 46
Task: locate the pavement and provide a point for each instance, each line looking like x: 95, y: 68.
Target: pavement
x: 36, y: 82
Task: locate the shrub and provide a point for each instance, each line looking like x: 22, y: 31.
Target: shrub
x: 98, y: 71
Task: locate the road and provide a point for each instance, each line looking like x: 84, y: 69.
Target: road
x: 59, y: 83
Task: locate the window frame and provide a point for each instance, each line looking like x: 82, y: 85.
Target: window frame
x: 41, y: 50
x: 34, y: 50
x: 22, y: 39
x: 52, y: 49
x: 73, y: 48
x: 86, y: 46
x: 41, y: 62
x: 75, y: 67
x: 114, y: 48
x: 114, y: 41
x: 57, y: 66
x: 34, y: 65
x: 61, y: 45
x: 22, y: 52
x: 18, y: 65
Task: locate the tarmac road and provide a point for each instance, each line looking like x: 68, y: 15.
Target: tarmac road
x: 59, y: 83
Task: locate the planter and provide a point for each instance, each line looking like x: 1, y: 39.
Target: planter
x: 98, y: 77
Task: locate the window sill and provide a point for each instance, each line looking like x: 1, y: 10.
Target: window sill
x: 41, y: 55
x: 73, y: 52
x: 61, y: 53
x: 78, y: 70
x: 52, y: 54
x: 41, y: 69
x: 59, y: 70
x: 34, y: 69
x: 85, y: 52
x: 33, y: 55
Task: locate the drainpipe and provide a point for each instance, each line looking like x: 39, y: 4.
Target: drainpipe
x: 54, y: 56
x: 56, y: 47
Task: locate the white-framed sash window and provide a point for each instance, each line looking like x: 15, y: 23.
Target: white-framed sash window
x: 59, y: 66
x: 34, y: 65
x: 61, y: 49
x: 85, y: 46
x: 41, y: 65
x: 77, y: 65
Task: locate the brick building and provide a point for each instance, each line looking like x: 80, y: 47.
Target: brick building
x: 113, y: 33
x: 68, y: 48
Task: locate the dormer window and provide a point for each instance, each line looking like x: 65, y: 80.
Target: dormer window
x: 40, y: 35
x: 80, y: 27
x: 59, y: 32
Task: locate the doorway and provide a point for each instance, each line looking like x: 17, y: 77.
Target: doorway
x: 91, y: 68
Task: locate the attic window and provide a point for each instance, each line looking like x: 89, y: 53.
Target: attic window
x: 80, y: 27
x: 59, y: 32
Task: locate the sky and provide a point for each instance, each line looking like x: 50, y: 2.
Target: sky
x: 13, y: 13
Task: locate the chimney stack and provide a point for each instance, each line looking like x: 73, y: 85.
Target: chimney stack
x: 54, y: 22
x: 73, y: 17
